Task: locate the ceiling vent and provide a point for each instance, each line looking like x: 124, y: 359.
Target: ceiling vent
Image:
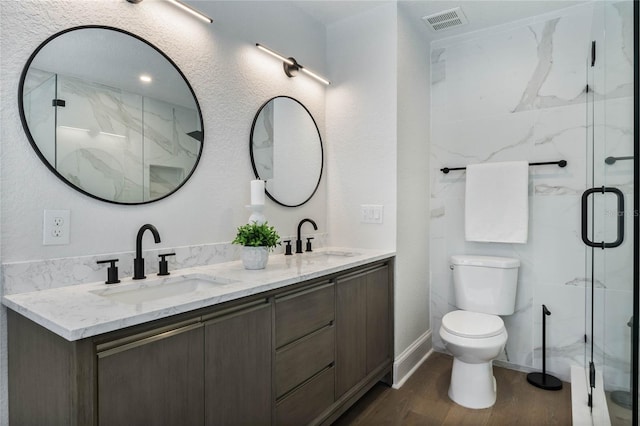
x: 446, y: 19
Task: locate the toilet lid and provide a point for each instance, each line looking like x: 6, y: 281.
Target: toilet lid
x: 472, y: 324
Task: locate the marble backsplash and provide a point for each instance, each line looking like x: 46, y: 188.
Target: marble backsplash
x: 23, y: 277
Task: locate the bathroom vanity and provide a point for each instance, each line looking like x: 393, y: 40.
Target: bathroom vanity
x: 295, y: 344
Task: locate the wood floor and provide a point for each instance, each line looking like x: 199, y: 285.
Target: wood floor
x: 423, y: 400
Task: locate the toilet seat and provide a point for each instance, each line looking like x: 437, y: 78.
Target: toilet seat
x: 473, y: 325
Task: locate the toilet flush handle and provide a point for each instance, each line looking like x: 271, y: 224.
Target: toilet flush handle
x: 451, y: 267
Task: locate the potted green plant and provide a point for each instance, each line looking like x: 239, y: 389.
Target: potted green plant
x: 257, y: 240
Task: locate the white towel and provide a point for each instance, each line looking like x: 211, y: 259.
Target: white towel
x: 497, y: 202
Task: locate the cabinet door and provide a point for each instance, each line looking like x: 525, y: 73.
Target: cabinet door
x: 363, y: 324
x: 350, y: 332
x: 378, y: 318
x: 152, y: 379
x: 238, y: 367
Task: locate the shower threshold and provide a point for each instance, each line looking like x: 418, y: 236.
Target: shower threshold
x: 580, y: 411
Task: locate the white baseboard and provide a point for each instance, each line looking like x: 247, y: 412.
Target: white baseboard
x: 411, y: 358
x: 580, y: 411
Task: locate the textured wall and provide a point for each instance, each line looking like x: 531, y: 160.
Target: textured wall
x: 231, y: 79
x: 361, y: 125
x: 412, y: 266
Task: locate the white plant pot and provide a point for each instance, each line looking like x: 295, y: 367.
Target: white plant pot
x: 255, y: 257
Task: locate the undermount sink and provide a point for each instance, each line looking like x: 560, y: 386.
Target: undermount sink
x: 327, y: 254
x: 162, y: 289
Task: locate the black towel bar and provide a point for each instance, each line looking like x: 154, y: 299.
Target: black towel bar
x: 612, y: 160
x: 561, y: 163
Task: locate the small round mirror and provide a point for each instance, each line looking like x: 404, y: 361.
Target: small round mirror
x: 286, y: 151
x: 111, y: 115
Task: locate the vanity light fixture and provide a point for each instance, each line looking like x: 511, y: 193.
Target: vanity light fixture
x: 291, y: 66
x: 145, y: 78
x: 192, y: 10
x: 184, y: 7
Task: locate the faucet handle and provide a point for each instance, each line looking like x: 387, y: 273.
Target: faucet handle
x: 287, y: 249
x: 112, y: 271
x: 164, y: 265
x: 309, y: 243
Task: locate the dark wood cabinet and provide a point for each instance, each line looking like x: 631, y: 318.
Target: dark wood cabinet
x: 300, y: 312
x: 305, y: 353
x: 293, y: 356
x: 152, y: 379
x: 237, y: 369
x: 307, y: 402
x: 379, y: 323
x: 363, y: 326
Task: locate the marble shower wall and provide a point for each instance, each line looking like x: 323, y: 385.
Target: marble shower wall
x: 517, y: 92
x: 114, y: 144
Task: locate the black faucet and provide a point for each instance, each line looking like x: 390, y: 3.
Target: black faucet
x: 138, y: 262
x: 299, y: 240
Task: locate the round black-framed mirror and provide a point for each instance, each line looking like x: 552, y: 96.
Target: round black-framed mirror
x: 111, y: 115
x: 286, y: 151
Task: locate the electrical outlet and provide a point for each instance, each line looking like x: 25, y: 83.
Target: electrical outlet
x: 55, y: 229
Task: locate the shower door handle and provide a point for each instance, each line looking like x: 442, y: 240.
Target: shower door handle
x: 620, y: 216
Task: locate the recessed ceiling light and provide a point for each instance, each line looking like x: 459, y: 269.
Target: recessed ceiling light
x: 145, y: 78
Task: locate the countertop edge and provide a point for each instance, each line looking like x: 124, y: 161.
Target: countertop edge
x: 80, y: 332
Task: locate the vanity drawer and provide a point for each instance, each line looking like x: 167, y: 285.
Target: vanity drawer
x: 308, y: 401
x: 304, y: 312
x: 300, y: 360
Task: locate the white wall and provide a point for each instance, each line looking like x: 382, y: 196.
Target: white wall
x: 361, y: 126
x: 378, y: 131
x: 231, y: 79
x: 412, y: 266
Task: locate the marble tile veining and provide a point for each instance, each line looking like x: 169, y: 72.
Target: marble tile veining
x: 518, y: 92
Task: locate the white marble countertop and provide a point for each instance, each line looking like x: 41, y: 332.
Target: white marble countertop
x: 80, y: 311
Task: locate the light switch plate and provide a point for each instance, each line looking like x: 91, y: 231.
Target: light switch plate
x: 371, y: 213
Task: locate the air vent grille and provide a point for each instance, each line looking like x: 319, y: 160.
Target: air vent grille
x: 445, y: 19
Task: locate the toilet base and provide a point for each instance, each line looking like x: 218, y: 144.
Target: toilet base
x: 472, y: 385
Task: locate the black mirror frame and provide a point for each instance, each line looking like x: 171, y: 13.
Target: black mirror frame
x: 25, y: 125
x: 253, y: 163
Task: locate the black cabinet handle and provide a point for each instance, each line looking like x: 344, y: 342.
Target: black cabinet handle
x: 163, y: 266
x: 112, y: 271
x: 287, y: 249
x: 585, y: 218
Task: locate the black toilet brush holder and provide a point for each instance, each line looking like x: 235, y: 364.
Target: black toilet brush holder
x: 543, y: 380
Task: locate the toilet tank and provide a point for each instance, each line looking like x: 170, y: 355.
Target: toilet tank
x: 485, y: 284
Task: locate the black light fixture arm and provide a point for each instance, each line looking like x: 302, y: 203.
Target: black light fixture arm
x: 292, y: 69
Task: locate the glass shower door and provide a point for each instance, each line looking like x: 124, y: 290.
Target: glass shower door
x: 608, y: 209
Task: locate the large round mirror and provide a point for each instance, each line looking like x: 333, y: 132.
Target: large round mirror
x: 286, y: 151
x: 111, y: 115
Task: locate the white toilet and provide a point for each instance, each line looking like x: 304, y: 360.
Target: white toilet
x: 485, y: 287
